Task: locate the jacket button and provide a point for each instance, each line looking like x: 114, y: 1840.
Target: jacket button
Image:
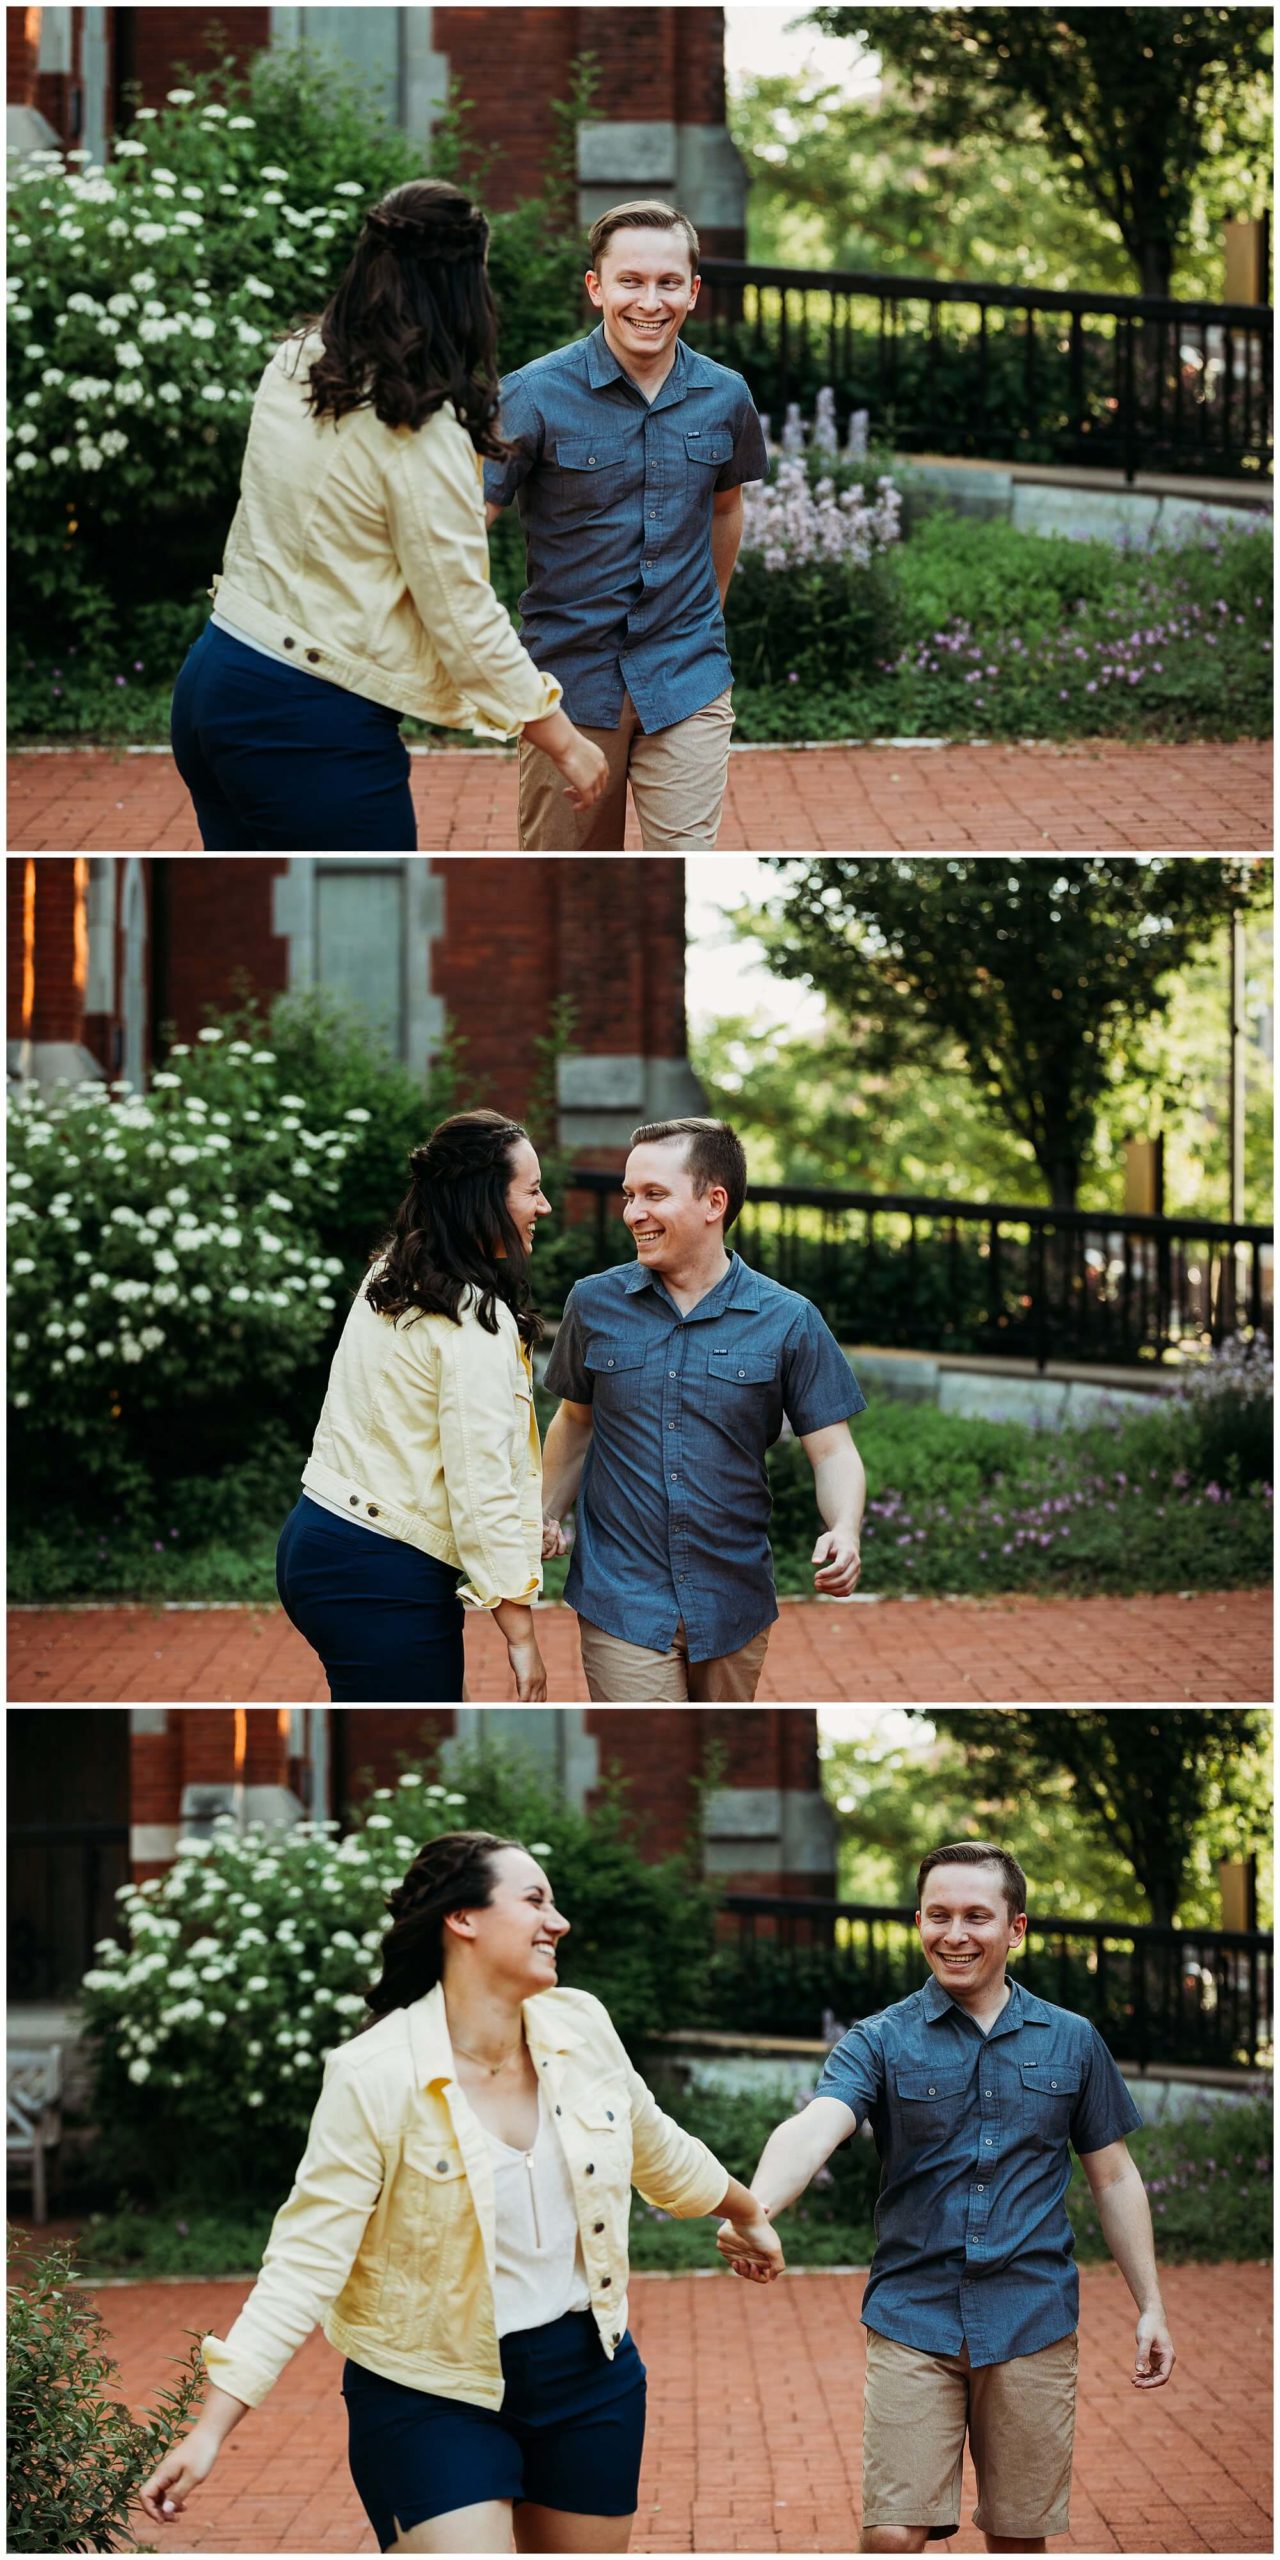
x: 355, y: 1501
x: 313, y: 656
x: 557, y: 2111
x: 615, y: 2340
x: 605, y: 2280
x: 609, y: 2110
x: 290, y: 644
x: 372, y: 1509
x: 441, y: 2166
x: 597, y: 2226
x: 591, y: 2168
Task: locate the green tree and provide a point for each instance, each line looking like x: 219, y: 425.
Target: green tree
x: 1144, y: 1783
x: 1041, y: 978
x: 1135, y: 106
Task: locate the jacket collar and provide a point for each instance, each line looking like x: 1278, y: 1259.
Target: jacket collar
x: 546, y: 2027
x: 1021, y: 2009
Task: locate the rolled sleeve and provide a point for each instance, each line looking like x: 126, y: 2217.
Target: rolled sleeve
x: 566, y: 1371
x: 479, y: 1415
x: 520, y: 426
x: 818, y: 1385
x: 314, y: 2241
x: 671, y: 2168
x: 436, y: 521
x: 854, y: 2073
x: 749, y: 459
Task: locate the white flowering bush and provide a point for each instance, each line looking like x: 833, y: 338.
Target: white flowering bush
x: 145, y: 299
x: 245, y: 1964
x: 165, y: 1278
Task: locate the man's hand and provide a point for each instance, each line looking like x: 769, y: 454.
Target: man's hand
x: 839, y: 1555
x: 752, y: 2249
x: 554, y: 1541
x: 1153, y: 2360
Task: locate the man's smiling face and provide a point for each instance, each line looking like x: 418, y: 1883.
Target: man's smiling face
x: 645, y: 287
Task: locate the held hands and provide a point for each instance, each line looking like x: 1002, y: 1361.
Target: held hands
x: 584, y: 769
x: 528, y: 1668
x: 1153, y: 2360
x: 164, y: 2495
x: 554, y: 1541
x: 839, y: 1555
x: 752, y: 2248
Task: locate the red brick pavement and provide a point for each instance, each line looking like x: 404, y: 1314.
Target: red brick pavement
x: 1207, y: 1646
x: 755, y: 2407
x: 817, y: 799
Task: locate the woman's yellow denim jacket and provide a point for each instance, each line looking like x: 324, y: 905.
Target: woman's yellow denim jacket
x: 428, y: 1430
x: 388, y: 2238
x: 360, y: 551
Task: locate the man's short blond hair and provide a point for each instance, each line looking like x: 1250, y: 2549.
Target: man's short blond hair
x: 647, y: 214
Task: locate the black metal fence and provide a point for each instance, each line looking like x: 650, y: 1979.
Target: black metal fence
x: 1118, y: 381
x: 1201, y: 1997
x: 905, y: 1271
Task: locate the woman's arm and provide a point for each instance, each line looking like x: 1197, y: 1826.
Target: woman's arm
x: 186, y: 2464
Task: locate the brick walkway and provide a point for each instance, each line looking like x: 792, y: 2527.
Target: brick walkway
x: 754, y: 2437
x: 1209, y: 1646
x: 819, y: 799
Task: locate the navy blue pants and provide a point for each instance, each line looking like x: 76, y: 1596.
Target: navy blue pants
x: 569, y: 2434
x: 281, y: 762
x: 385, y: 1619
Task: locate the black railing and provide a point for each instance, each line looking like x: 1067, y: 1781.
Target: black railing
x: 905, y: 1271
x: 1201, y: 1997
x: 1122, y: 382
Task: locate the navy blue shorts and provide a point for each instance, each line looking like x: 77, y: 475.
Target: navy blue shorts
x: 384, y: 1618
x: 569, y: 2434
x: 281, y: 762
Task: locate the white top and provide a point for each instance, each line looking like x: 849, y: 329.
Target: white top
x: 539, y: 2272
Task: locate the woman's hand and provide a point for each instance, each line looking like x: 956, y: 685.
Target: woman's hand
x: 185, y: 2465
x: 529, y: 1669
x: 752, y: 2247
x: 584, y: 769
x: 554, y: 1541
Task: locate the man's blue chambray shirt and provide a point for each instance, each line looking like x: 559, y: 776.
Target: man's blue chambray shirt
x: 973, y: 2244
x: 614, y: 492
x: 673, y: 1509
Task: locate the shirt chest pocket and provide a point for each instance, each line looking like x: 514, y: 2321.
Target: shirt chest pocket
x: 740, y: 1387
x: 930, y: 2104
x: 1049, y: 2094
x: 707, y: 449
x: 588, y: 469
x: 617, y: 1371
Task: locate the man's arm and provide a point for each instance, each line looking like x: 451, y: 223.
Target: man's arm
x: 793, y: 2154
x: 726, y: 535
x: 567, y: 1443
x: 840, y: 1488
x: 1125, y: 2216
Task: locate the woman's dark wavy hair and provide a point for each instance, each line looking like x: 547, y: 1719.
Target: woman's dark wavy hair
x: 451, y: 1873
x: 447, y: 1227
x: 413, y: 324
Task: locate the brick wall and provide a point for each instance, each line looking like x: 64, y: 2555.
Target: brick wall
x: 22, y: 42
x: 497, y: 969
x: 20, y: 919
x: 167, y: 41
x: 61, y: 951
x: 219, y: 928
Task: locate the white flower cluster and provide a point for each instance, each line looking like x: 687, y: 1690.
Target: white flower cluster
x: 235, y: 1983
x: 791, y: 524
x: 146, y: 1232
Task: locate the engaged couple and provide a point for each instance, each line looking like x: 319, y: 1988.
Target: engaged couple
x: 355, y: 586
x: 458, y: 2223
x: 425, y: 1493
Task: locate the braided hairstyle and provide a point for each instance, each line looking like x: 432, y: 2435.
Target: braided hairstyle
x: 412, y: 322
x: 454, y: 1231
x: 451, y: 1873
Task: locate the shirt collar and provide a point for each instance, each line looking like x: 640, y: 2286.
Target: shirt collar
x: 1021, y: 2009
x: 603, y: 368
x: 739, y: 1287
x: 546, y: 2028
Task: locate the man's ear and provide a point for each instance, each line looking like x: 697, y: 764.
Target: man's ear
x: 693, y: 291
x: 594, y: 288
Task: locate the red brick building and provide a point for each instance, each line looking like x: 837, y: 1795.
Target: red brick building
x: 657, y: 126
x: 104, y: 951
x: 100, y: 1796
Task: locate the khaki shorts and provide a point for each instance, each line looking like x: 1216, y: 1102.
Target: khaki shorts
x: 1020, y: 2419
x: 632, y: 1675
x: 677, y: 778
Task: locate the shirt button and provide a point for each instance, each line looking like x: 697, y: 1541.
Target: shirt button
x: 591, y: 457
x: 675, y: 1479
x: 932, y: 2091
x: 988, y: 2142
x: 671, y: 1427
x: 1053, y: 2084
x: 608, y: 1364
x: 671, y: 1373
x: 982, y: 2191
x: 742, y: 1373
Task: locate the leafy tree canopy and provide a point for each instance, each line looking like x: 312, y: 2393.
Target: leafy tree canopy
x: 1136, y: 107
x: 1040, y: 976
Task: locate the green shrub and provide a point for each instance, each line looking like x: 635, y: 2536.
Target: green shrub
x: 77, y: 2459
x: 1210, y: 2182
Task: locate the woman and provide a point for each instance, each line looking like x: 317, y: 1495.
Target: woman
x: 355, y: 585
x: 426, y: 1464
x: 459, y: 2224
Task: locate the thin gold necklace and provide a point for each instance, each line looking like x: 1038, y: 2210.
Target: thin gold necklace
x: 493, y: 2068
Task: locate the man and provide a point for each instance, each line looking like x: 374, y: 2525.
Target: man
x: 975, y: 2092
x: 676, y: 1372
x: 628, y: 458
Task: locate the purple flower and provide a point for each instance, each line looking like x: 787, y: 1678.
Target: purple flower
x: 122, y: 679
x: 1213, y: 1493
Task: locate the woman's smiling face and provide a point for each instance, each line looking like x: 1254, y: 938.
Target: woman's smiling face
x: 516, y: 1933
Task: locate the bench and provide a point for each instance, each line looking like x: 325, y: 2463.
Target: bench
x: 35, y: 2116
